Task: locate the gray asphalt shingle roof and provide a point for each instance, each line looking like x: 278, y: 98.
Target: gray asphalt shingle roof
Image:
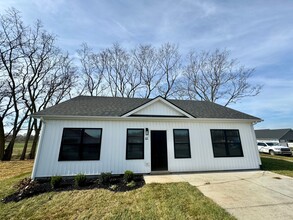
x: 280, y: 134
x: 118, y: 106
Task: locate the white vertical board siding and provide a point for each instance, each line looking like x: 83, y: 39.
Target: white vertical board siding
x: 158, y: 108
x: 113, y: 148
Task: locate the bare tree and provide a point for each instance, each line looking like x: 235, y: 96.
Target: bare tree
x: 27, y: 138
x: 213, y: 76
x: 11, y: 34
x: 120, y: 76
x: 56, y: 86
x: 170, y: 64
x: 92, y: 69
x: 34, y: 74
x: 5, y: 106
x: 147, y: 65
x: 44, y: 78
x: 134, y: 79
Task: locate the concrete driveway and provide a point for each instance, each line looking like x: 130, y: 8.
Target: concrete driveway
x: 246, y: 194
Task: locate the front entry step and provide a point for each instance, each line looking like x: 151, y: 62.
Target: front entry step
x: 159, y: 172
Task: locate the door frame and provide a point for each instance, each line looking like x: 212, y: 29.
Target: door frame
x: 167, y: 163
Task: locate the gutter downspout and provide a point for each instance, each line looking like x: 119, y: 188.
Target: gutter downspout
x: 38, y: 149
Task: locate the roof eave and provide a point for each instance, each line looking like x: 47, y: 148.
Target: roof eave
x: 79, y: 117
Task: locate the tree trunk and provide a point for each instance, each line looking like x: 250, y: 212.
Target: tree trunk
x: 34, y: 145
x: 2, y: 139
x: 36, y: 138
x: 9, y: 149
x: 27, y: 138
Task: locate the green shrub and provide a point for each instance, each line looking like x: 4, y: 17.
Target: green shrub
x: 131, y: 184
x: 79, y: 180
x: 105, y: 178
x: 56, y: 181
x: 128, y: 176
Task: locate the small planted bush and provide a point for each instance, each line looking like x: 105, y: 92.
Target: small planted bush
x: 56, y: 181
x: 105, y: 178
x: 80, y: 180
x: 128, y: 176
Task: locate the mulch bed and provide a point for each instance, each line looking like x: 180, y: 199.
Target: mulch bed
x: 27, y: 188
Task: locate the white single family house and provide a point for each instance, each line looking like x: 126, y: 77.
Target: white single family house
x: 91, y: 135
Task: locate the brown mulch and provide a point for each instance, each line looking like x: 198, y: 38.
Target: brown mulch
x: 27, y: 187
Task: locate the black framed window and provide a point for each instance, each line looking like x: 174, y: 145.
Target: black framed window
x: 80, y: 144
x: 226, y: 143
x: 181, y: 143
x: 135, y: 144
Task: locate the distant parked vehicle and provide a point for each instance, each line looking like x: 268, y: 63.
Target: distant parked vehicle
x: 273, y: 148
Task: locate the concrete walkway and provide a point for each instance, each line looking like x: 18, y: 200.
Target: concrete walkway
x: 246, y: 195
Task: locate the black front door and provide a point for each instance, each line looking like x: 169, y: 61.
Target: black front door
x: 159, y: 160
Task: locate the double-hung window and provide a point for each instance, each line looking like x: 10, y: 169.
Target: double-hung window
x: 181, y: 143
x: 226, y: 143
x: 135, y: 144
x: 80, y: 144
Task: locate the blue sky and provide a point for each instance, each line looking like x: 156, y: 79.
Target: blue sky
x: 258, y: 33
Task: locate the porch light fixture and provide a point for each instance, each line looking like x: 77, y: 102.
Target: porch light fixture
x: 146, y: 131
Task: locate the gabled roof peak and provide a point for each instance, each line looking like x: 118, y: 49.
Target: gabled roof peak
x: 167, y: 105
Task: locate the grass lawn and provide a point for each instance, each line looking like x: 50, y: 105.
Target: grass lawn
x: 153, y: 201
x: 17, y: 150
x: 278, y: 164
x: 14, y: 168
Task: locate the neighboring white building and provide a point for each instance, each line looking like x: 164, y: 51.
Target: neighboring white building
x: 282, y: 136
x: 91, y: 135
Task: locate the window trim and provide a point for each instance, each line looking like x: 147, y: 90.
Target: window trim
x: 142, y: 129
x: 226, y: 143
x: 80, y: 145
x: 176, y: 157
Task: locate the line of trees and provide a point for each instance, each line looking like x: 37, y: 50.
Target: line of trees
x: 35, y: 74
x: 146, y: 71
